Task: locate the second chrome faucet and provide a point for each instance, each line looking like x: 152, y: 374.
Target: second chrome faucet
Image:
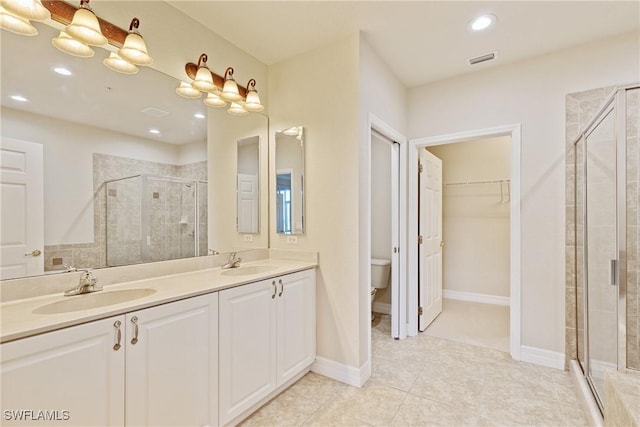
x: 232, y: 262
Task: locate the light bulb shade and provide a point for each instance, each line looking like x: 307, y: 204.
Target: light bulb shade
x: 69, y: 45
x: 16, y: 24
x: 237, y: 110
x: 115, y: 63
x: 213, y: 100
x: 27, y: 9
x: 187, y: 91
x: 230, y: 90
x: 252, y: 102
x: 134, y: 50
x: 85, y: 28
x: 204, y: 80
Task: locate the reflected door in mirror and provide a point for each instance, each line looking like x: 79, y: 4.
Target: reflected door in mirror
x: 248, y: 186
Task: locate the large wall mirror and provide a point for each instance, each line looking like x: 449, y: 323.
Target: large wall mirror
x: 132, y: 172
x: 289, y: 177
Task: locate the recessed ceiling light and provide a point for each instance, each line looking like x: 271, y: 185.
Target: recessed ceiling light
x: 19, y: 98
x: 199, y: 116
x: 481, y: 22
x: 154, y: 131
x: 62, y: 71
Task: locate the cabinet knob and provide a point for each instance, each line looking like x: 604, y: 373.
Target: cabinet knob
x: 134, y: 320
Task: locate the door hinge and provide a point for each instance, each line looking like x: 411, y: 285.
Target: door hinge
x: 396, y: 250
x: 420, y: 167
x: 419, y: 240
x: 420, y: 311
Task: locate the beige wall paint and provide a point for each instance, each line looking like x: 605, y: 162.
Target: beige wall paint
x: 476, y: 217
x: 531, y: 93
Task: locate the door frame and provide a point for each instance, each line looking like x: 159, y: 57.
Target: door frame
x: 514, y: 131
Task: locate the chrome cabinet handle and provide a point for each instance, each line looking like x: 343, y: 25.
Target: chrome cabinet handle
x: 281, y: 287
x: 134, y: 320
x: 34, y: 253
x: 275, y: 289
x: 614, y: 272
x: 117, y: 325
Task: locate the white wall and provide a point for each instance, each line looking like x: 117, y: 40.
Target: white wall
x: 531, y: 93
x: 475, y: 225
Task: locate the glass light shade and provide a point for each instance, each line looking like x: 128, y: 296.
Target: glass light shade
x: 230, y: 91
x: 187, y: 91
x: 204, y: 80
x: 115, y: 63
x: 27, y: 9
x: 16, y: 24
x: 134, y: 50
x: 85, y: 28
x: 213, y: 100
x: 252, y: 102
x: 237, y: 110
x: 67, y: 44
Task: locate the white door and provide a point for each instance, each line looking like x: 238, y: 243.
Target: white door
x: 247, y: 348
x: 74, y: 374
x: 172, y: 370
x: 21, y: 198
x: 296, y: 320
x: 248, y: 210
x: 430, y: 250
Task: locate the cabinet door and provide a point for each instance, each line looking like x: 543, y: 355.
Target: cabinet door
x: 73, y: 375
x: 247, y: 347
x: 172, y: 369
x: 296, y: 323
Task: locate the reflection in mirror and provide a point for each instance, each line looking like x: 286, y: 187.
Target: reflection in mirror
x: 290, y: 181
x: 248, y: 186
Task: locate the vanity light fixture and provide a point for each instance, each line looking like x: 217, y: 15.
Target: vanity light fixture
x: 213, y: 100
x: 230, y: 90
x: 237, y: 109
x: 16, y: 24
x: 30, y: 10
x: 203, y: 80
x: 252, y: 101
x: 115, y: 63
x: 67, y: 44
x: 187, y: 91
x: 134, y: 48
x: 85, y: 27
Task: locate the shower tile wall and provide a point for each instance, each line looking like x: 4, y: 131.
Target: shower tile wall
x: 633, y: 228
x: 106, y: 168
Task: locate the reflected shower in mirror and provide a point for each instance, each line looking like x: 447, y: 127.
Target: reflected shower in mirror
x: 290, y: 181
x: 248, y: 185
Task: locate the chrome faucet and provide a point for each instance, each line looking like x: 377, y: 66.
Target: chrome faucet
x: 232, y: 262
x: 88, y: 283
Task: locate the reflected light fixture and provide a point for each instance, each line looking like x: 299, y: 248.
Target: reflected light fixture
x: 62, y: 71
x: 154, y: 131
x: 31, y: 10
x: 115, y: 63
x: 67, y: 44
x: 252, y: 101
x: 237, y: 110
x: 292, y: 131
x: 85, y: 27
x: 204, y: 79
x: 19, y: 98
x: 199, y: 116
x: 187, y: 91
x: 134, y: 48
x: 230, y: 89
x: 16, y: 24
x: 481, y: 23
x: 213, y: 100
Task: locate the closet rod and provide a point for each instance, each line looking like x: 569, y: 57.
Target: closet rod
x: 494, y: 181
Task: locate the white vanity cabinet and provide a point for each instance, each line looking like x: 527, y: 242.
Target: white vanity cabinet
x: 267, y: 336
x: 166, y: 361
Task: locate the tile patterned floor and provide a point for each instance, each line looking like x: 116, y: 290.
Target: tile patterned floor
x: 428, y: 381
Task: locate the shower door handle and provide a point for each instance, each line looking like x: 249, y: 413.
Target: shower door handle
x: 614, y: 272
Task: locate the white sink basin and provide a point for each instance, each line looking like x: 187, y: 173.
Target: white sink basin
x: 93, y: 300
x: 249, y: 270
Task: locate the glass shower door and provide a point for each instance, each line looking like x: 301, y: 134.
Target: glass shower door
x: 601, y: 293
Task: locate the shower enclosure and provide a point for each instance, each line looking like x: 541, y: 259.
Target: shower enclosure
x: 606, y: 230
x: 155, y: 218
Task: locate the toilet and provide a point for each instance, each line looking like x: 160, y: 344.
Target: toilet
x: 380, y: 275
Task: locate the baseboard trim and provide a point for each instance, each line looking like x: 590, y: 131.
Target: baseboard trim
x: 538, y: 356
x: 470, y: 296
x: 343, y: 373
x: 382, y: 307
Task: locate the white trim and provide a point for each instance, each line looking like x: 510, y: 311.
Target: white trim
x: 588, y: 401
x: 473, y: 297
x: 382, y: 307
x: 515, y: 225
x: 539, y: 356
x: 343, y: 373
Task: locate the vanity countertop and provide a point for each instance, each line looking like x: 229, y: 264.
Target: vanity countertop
x: 19, y: 321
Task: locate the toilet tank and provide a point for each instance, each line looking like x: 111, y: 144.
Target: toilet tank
x: 380, y: 272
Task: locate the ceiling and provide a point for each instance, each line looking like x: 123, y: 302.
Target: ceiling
x: 421, y: 41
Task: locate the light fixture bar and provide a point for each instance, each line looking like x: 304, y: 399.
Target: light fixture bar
x: 191, y: 69
x: 63, y: 12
